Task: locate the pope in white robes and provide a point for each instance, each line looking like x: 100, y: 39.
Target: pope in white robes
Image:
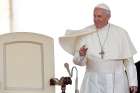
x: 107, y: 52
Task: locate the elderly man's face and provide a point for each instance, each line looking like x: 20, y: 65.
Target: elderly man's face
x: 100, y: 17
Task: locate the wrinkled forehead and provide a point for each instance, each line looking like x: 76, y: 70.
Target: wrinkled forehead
x: 100, y: 11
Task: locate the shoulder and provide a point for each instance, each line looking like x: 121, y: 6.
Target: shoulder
x: 120, y: 33
x: 118, y: 30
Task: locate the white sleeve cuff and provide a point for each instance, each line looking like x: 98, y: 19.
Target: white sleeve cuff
x: 131, y: 72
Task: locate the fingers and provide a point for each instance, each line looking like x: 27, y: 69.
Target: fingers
x: 83, y: 50
x: 133, y: 89
x: 83, y: 47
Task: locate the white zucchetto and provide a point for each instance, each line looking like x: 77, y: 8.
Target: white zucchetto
x: 103, y: 6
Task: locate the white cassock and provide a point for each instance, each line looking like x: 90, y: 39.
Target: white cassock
x: 105, y: 75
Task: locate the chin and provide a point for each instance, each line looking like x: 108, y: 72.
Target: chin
x: 99, y: 26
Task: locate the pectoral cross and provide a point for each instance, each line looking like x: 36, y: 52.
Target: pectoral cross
x: 102, y: 53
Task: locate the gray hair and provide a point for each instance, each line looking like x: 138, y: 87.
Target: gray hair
x: 108, y: 12
x: 104, y: 7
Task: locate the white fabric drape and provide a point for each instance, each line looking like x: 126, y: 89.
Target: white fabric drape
x: 113, y: 74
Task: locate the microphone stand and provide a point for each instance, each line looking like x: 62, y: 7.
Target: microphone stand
x: 71, y: 75
x: 63, y: 81
x: 76, y: 80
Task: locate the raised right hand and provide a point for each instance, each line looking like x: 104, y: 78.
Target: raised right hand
x: 83, y: 50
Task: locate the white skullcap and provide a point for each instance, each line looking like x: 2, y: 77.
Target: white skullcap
x: 103, y: 6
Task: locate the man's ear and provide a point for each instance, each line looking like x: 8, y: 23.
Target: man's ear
x: 109, y: 16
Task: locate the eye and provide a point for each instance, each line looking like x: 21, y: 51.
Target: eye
x: 99, y: 16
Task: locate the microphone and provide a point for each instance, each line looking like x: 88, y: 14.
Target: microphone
x: 71, y: 75
x: 67, y: 67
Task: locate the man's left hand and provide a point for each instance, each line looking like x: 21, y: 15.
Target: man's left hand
x: 133, y: 89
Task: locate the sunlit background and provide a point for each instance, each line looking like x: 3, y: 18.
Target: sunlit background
x: 53, y: 17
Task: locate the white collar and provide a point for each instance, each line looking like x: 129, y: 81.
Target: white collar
x: 105, y: 28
